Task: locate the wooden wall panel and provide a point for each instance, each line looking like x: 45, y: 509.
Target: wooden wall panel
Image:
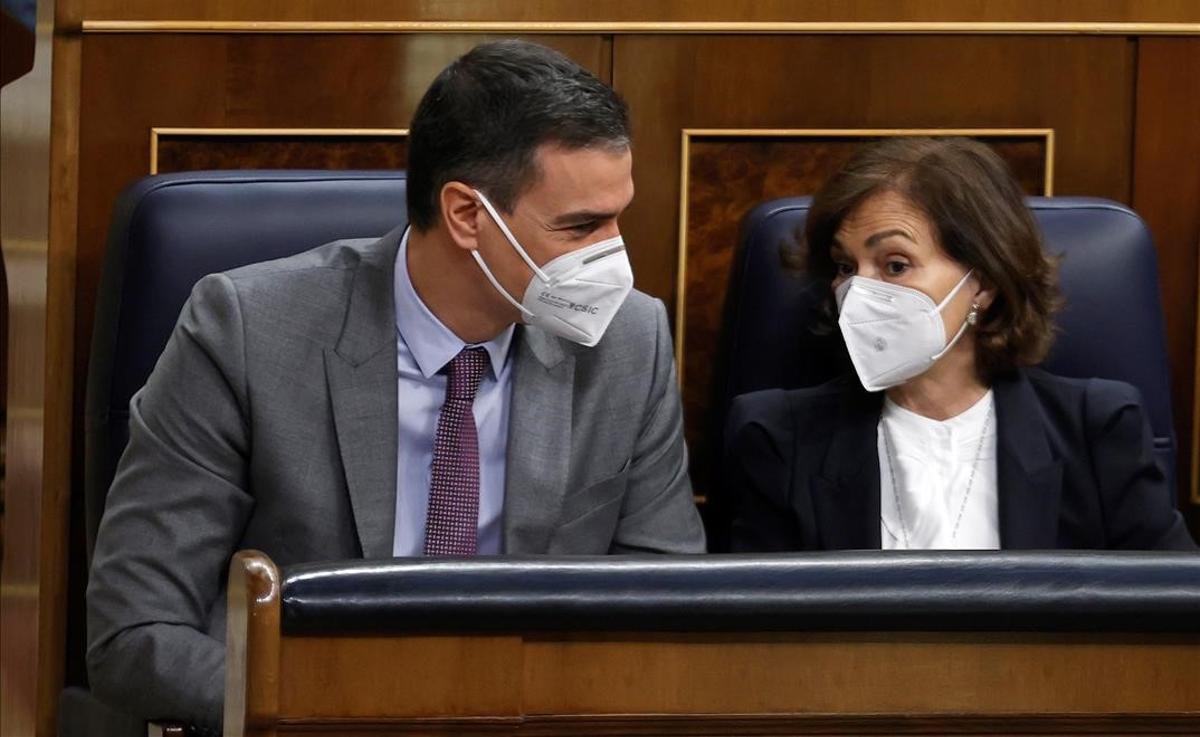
x: 286, y: 150
x: 32, y: 561
x: 675, y: 82
x: 1166, y: 192
x: 927, y: 674
x: 1178, y: 11
x: 790, y: 82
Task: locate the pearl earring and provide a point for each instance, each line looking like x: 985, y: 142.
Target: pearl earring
x: 973, y: 315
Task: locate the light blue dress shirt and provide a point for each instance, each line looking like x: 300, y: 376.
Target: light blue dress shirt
x: 423, y: 347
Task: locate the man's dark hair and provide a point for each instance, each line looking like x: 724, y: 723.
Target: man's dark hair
x: 484, y: 117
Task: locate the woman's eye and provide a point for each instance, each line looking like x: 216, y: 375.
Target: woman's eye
x: 895, y: 268
x: 845, y: 269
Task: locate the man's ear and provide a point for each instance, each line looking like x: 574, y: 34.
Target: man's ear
x: 460, y: 212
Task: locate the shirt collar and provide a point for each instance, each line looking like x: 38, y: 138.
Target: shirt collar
x: 969, y: 422
x: 431, y: 343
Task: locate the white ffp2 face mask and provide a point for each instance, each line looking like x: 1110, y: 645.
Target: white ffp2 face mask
x: 892, y: 333
x: 574, y: 296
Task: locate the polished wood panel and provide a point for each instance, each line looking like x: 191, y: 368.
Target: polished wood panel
x: 31, y: 604
x: 725, y: 176
x: 1166, y: 192
x: 196, y: 151
x: 252, y: 668
x: 870, y: 673
x: 878, y: 724
x: 469, y: 676
x: 776, y: 725
x: 60, y: 537
x: 1178, y: 11
x: 865, y: 82
x: 3, y: 392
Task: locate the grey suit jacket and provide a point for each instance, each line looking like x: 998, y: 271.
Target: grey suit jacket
x: 269, y: 422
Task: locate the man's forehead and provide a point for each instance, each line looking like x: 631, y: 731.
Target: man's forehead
x: 595, y: 178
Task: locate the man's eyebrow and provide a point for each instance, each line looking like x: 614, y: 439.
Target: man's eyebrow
x: 888, y: 234
x: 581, y: 216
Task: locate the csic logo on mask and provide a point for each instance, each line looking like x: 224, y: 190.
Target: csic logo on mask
x: 547, y: 297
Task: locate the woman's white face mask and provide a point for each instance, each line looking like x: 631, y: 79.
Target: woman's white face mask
x: 892, y: 333
x: 574, y: 296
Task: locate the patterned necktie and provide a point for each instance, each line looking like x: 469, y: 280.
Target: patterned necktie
x: 451, y: 527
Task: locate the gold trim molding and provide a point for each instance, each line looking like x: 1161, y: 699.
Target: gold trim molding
x: 157, y: 133
x: 644, y: 27
x: 684, y: 175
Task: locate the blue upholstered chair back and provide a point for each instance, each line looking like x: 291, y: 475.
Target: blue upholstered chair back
x: 1111, y: 326
x: 169, y: 231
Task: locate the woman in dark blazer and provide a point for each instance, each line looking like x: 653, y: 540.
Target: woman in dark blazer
x: 945, y: 437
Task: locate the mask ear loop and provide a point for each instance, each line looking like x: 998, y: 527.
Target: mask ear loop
x: 971, y: 319
x: 957, y: 287
x: 487, y: 205
x: 503, y: 292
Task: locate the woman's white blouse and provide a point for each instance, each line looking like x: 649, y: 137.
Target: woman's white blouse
x: 929, y: 497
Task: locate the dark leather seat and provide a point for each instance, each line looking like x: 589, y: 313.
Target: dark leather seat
x: 1111, y: 327
x: 863, y: 591
x: 167, y: 232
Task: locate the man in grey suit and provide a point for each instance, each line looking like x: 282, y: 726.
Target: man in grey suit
x: 479, y: 380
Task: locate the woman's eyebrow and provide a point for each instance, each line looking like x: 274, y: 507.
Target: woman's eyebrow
x: 874, y: 239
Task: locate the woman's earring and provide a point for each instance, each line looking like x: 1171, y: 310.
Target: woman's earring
x: 973, y: 315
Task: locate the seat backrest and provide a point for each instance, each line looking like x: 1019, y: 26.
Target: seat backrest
x: 1111, y: 326
x: 167, y: 232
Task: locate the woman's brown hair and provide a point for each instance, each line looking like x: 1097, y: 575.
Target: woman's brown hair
x: 978, y: 212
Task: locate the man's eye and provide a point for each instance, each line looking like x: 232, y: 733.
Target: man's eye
x: 896, y: 268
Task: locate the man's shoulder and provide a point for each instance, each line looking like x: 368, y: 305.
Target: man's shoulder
x: 304, y: 296
x: 339, y: 255
x: 319, y: 277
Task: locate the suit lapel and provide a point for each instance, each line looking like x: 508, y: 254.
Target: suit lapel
x: 539, y: 441
x: 361, y: 371
x: 1028, y: 476
x: 846, y: 494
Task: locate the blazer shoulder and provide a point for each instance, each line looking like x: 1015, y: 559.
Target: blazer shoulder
x: 300, y: 300
x: 789, y: 411
x: 1093, y: 399
x: 339, y: 255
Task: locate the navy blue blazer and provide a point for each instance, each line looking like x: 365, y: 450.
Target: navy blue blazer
x: 1075, y: 468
